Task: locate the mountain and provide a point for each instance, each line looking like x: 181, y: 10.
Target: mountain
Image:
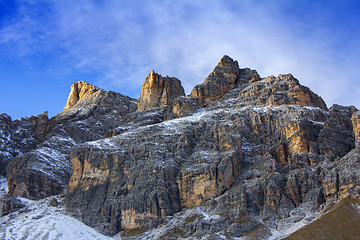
x: 240, y: 156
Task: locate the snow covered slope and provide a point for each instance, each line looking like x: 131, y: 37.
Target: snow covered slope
x: 39, y: 220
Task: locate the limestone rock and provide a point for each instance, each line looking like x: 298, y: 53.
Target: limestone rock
x: 286, y: 138
x: 78, y: 91
x: 140, y: 182
x: 159, y: 92
x: 337, y: 137
x: 8, y: 148
x: 247, y: 75
x: 244, y: 156
x: 184, y: 106
x: 45, y: 169
x: 275, y: 91
x: 341, y: 179
x: 20, y: 136
x: 41, y: 123
x: 225, y: 76
x: 208, y: 157
x: 11, y: 204
x: 222, y: 79
x: 39, y: 173
x: 356, y: 126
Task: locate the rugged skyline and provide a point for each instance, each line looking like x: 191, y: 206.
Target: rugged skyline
x: 240, y: 156
x: 45, y: 46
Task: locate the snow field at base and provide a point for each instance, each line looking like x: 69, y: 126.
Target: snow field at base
x: 45, y: 222
x: 38, y: 220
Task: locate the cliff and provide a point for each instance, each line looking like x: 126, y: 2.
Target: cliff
x: 240, y: 155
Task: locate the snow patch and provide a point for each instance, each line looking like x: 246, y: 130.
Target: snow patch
x: 285, y: 228
x: 41, y: 221
x: 317, y: 123
x: 357, y: 207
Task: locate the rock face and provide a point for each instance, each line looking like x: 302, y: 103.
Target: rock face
x: 270, y: 143
x: 225, y: 76
x: 273, y: 91
x: 45, y: 169
x: 159, y: 92
x: 78, y: 91
x: 356, y: 125
x: 340, y: 178
x: 186, y: 162
x: 182, y: 166
x: 241, y: 155
x: 20, y: 136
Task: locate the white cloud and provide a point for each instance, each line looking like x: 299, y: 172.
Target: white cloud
x: 124, y: 41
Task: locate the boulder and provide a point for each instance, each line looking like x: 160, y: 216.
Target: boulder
x: 11, y: 204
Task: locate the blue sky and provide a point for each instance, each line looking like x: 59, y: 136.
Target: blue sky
x: 45, y: 46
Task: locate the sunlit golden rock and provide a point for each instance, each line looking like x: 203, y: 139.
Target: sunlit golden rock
x: 78, y: 91
x: 158, y: 91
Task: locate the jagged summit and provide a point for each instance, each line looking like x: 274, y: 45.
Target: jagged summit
x: 78, y: 91
x: 226, y: 68
x: 225, y: 76
x: 158, y: 91
x: 239, y: 156
x: 226, y: 80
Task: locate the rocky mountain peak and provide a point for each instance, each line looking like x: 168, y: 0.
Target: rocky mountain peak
x: 246, y: 156
x: 158, y: 91
x: 225, y: 76
x: 227, y: 65
x: 78, y: 91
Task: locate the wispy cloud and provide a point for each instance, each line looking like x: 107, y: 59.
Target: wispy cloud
x: 122, y: 42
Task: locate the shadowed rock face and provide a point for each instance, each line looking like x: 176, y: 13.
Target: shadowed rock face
x: 20, y: 136
x: 238, y: 149
x: 130, y: 181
